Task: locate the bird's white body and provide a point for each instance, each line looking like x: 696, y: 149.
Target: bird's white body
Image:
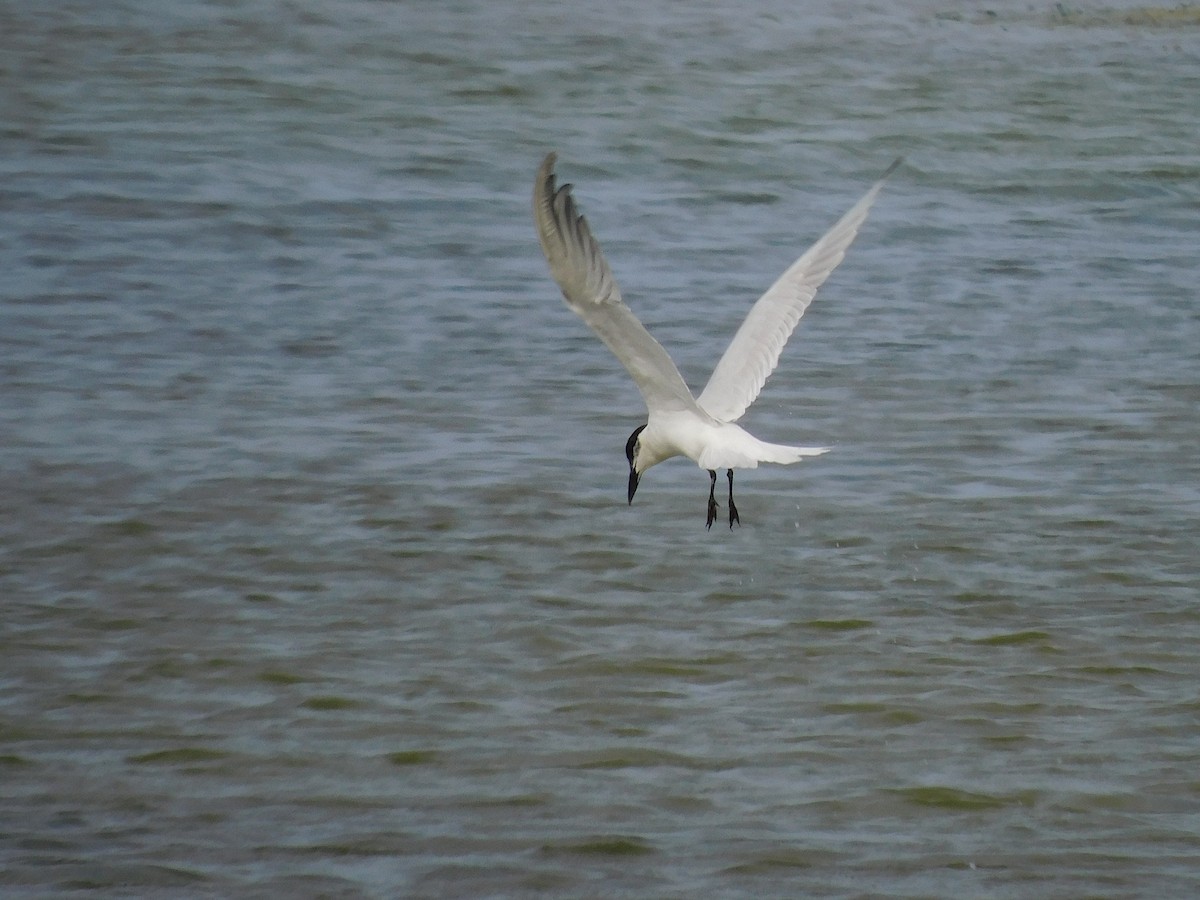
x: 709, y: 443
x: 701, y: 428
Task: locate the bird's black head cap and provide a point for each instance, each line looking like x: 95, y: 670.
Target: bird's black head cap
x: 634, y: 478
x: 632, y: 440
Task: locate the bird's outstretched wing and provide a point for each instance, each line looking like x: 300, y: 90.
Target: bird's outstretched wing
x: 589, y: 288
x: 754, y: 350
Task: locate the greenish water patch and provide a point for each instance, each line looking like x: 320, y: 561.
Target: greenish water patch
x: 109, y: 877
x: 615, y: 845
x: 638, y: 758
x: 890, y: 714
x: 517, y: 801
x: 382, y: 844
x: 492, y: 92
x: 669, y: 668
x: 846, y: 543
x: 1184, y: 15
x: 280, y: 677
x: 178, y: 756
x: 854, y: 708
x: 1006, y: 740
x: 164, y: 668
x: 839, y: 624
x: 386, y: 523
x: 130, y: 528
x: 1121, y: 579
x: 468, y: 706
x: 974, y: 596
x: 89, y: 698
x: 411, y: 757
x: 329, y: 703
x: 779, y: 861
x: 1014, y: 639
x: 98, y: 623
x: 747, y: 198
x: 954, y: 799
x: 629, y: 731
x: 706, y: 667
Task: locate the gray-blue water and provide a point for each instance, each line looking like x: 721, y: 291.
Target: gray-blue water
x: 317, y: 572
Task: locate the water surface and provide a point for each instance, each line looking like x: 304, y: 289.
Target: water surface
x: 319, y: 575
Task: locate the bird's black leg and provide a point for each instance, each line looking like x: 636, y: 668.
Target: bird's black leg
x: 712, y: 501
x: 733, y: 516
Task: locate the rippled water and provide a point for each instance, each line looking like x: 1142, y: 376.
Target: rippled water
x: 319, y: 577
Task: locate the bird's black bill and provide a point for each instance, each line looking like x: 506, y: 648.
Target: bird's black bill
x: 633, y: 483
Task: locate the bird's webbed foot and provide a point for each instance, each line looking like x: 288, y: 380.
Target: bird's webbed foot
x: 712, y: 501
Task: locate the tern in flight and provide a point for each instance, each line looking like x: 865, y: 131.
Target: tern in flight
x: 701, y: 428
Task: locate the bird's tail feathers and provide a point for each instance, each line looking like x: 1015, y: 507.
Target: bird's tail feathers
x: 784, y: 455
x: 750, y: 451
